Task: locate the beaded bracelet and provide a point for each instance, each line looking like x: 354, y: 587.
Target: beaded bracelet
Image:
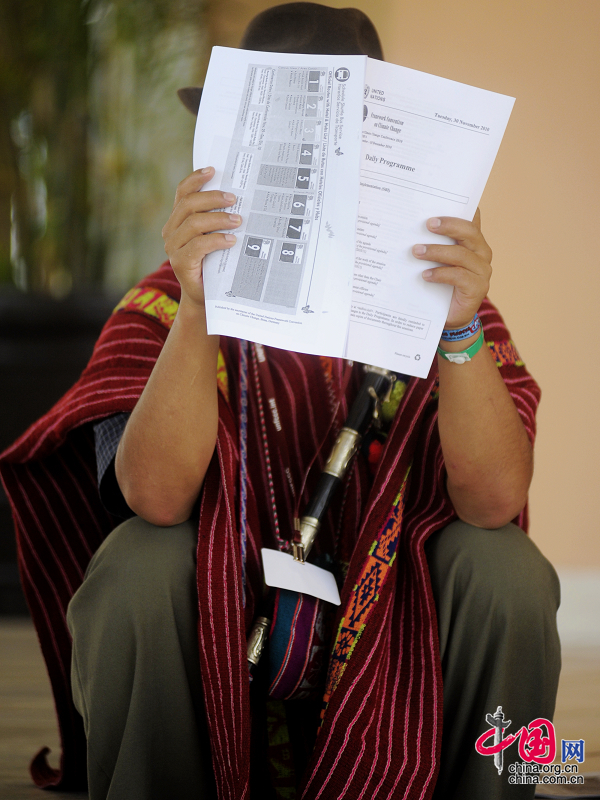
x: 457, y: 334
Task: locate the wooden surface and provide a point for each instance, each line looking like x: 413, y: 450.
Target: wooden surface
x: 27, y: 719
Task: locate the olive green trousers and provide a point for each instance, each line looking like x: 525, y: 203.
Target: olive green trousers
x: 136, y: 677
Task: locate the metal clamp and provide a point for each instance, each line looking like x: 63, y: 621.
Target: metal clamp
x: 309, y: 527
x: 376, y: 406
x: 344, y: 448
x: 258, y: 639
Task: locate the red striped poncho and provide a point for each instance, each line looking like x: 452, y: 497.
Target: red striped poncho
x: 381, y: 729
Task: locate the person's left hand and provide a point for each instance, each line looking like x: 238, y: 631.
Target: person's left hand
x: 466, y: 265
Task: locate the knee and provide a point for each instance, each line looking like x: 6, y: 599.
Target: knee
x: 501, y: 570
x: 140, y: 560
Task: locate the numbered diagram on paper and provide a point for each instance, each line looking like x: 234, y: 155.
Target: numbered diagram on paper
x: 296, y: 128
x: 264, y: 279
x: 252, y: 268
x: 287, y: 177
x: 300, y: 79
x: 305, y: 155
x: 285, y: 275
x: 277, y: 160
x: 288, y: 165
x: 298, y: 104
x: 291, y: 253
x: 279, y: 227
x: 299, y: 92
x: 287, y: 203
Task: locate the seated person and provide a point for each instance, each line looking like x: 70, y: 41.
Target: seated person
x: 448, y: 609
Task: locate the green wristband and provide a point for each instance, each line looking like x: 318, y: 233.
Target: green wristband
x: 465, y: 355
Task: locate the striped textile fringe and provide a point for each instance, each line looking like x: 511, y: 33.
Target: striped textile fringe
x: 381, y: 731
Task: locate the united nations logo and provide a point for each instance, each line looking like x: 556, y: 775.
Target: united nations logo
x: 367, y: 90
x: 342, y: 74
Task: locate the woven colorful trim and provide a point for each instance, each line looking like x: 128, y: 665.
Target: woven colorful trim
x: 222, y: 380
x: 163, y: 309
x: 366, y: 593
x: 505, y: 353
x: 153, y: 302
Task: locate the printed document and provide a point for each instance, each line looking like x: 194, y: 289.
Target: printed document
x: 337, y: 162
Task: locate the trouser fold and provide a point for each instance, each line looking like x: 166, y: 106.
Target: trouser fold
x: 136, y: 675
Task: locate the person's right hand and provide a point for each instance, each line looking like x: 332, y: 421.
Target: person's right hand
x: 189, y: 234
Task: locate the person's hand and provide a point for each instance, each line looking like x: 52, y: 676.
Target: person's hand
x: 466, y: 265
x: 189, y: 234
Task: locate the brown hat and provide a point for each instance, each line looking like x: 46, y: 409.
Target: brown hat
x: 304, y: 28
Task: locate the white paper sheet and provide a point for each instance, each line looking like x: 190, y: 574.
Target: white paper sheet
x: 282, y: 572
x: 276, y: 127
x: 301, y: 140
x: 428, y: 147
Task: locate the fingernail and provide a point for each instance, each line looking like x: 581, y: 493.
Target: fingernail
x: 206, y: 170
x: 229, y: 237
x: 419, y: 249
x: 428, y: 273
x: 235, y: 218
x: 229, y: 197
x: 434, y: 222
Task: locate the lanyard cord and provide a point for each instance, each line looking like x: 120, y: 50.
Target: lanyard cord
x: 280, y: 480
x: 274, y: 442
x: 281, y: 543
x: 243, y: 458
x: 364, y: 409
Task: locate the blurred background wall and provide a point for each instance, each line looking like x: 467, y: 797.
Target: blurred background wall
x: 540, y: 209
x: 540, y: 214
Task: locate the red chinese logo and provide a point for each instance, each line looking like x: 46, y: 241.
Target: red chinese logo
x: 537, y: 742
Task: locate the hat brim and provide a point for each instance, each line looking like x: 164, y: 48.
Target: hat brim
x: 190, y: 97
x: 303, y: 28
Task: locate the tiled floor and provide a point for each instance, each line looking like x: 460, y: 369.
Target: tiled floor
x: 27, y: 720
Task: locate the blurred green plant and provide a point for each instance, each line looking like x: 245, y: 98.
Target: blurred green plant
x: 43, y: 140
x: 68, y: 139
